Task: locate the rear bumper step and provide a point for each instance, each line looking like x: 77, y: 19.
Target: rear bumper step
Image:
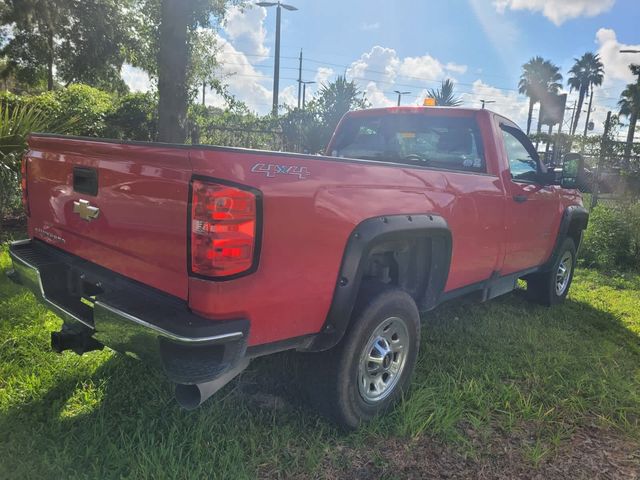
x: 128, y: 316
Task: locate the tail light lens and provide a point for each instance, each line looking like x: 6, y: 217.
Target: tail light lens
x: 224, y: 227
x: 23, y: 185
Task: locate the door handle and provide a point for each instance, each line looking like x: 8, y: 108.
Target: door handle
x: 520, y: 198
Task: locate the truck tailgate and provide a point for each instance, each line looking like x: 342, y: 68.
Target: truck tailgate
x: 121, y: 206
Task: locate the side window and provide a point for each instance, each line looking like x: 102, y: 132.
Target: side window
x: 522, y: 163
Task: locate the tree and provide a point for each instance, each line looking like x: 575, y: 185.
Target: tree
x: 39, y: 23
x: 539, y: 76
x: 337, y: 98
x: 444, y: 96
x: 178, y: 20
x: 84, y: 42
x: 96, y: 43
x: 629, y: 105
x: 586, y: 73
x: 203, y: 70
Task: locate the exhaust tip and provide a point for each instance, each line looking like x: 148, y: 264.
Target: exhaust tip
x: 192, y: 396
x: 189, y: 397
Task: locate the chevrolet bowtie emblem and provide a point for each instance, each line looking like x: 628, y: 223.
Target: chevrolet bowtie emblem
x: 85, y: 210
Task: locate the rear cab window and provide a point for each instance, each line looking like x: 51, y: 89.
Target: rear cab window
x: 451, y: 143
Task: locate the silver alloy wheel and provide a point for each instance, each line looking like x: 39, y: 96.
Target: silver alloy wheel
x: 383, y: 359
x: 563, y: 274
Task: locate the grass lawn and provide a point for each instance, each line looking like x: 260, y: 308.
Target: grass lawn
x: 503, y: 389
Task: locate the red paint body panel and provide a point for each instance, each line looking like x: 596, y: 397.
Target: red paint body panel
x: 142, y: 228
x: 142, y: 196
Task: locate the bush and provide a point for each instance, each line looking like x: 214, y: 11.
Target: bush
x: 10, y: 195
x: 612, y: 238
x: 135, y: 117
x: 83, y: 106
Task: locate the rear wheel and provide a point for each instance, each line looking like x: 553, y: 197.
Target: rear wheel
x: 552, y: 287
x: 370, y: 369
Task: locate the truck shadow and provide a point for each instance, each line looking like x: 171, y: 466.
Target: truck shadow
x: 134, y: 407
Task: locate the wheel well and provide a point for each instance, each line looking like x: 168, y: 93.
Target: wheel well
x: 402, y: 263
x: 410, y: 252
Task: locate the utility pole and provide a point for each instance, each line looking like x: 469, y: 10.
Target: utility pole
x: 304, y: 92
x: 400, y: 95
x: 300, y: 79
x: 486, y: 101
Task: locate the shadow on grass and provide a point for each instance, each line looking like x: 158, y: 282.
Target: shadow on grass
x: 494, y: 365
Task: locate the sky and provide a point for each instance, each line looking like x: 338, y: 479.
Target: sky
x: 412, y: 45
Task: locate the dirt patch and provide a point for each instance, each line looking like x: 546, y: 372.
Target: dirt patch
x: 589, y: 453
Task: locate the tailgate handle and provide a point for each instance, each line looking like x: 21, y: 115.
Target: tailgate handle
x: 85, y: 180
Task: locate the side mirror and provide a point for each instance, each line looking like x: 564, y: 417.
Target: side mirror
x: 572, y: 170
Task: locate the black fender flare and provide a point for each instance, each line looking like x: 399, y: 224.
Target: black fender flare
x: 575, y: 219
x: 364, y: 237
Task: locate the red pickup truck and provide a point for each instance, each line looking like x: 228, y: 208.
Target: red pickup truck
x: 199, y: 258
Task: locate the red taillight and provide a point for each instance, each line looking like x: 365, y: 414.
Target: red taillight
x: 23, y: 184
x: 223, y: 229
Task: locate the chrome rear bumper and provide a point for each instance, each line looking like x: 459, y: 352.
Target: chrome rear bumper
x: 127, y: 316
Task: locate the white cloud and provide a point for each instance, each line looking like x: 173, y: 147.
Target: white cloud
x: 376, y: 96
x: 323, y: 76
x: 136, y: 79
x: 616, y: 64
x: 558, y: 11
x: 380, y: 62
x: 244, y: 80
x: 246, y: 30
x: 380, y: 71
x: 506, y: 103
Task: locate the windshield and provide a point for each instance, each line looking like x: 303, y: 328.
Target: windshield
x: 435, y: 141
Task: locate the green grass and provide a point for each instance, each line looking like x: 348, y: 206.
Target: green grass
x: 485, y: 370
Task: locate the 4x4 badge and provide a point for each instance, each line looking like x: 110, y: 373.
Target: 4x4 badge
x: 85, y: 210
x: 271, y: 170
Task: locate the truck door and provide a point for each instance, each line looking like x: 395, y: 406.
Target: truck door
x: 532, y: 219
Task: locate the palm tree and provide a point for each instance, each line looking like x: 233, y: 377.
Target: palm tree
x: 587, y: 72
x: 444, y: 95
x: 539, y: 77
x: 629, y: 104
x: 337, y: 98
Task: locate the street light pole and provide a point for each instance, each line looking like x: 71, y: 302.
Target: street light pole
x: 300, y: 79
x: 486, y: 101
x: 276, y: 64
x: 400, y: 95
x: 304, y: 92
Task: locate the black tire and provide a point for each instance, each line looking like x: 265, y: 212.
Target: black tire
x: 333, y: 376
x: 543, y: 287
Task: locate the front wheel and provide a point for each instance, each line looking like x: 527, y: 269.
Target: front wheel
x: 370, y: 370
x: 550, y: 288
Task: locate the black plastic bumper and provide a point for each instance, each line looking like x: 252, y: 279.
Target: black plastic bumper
x: 128, y: 316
